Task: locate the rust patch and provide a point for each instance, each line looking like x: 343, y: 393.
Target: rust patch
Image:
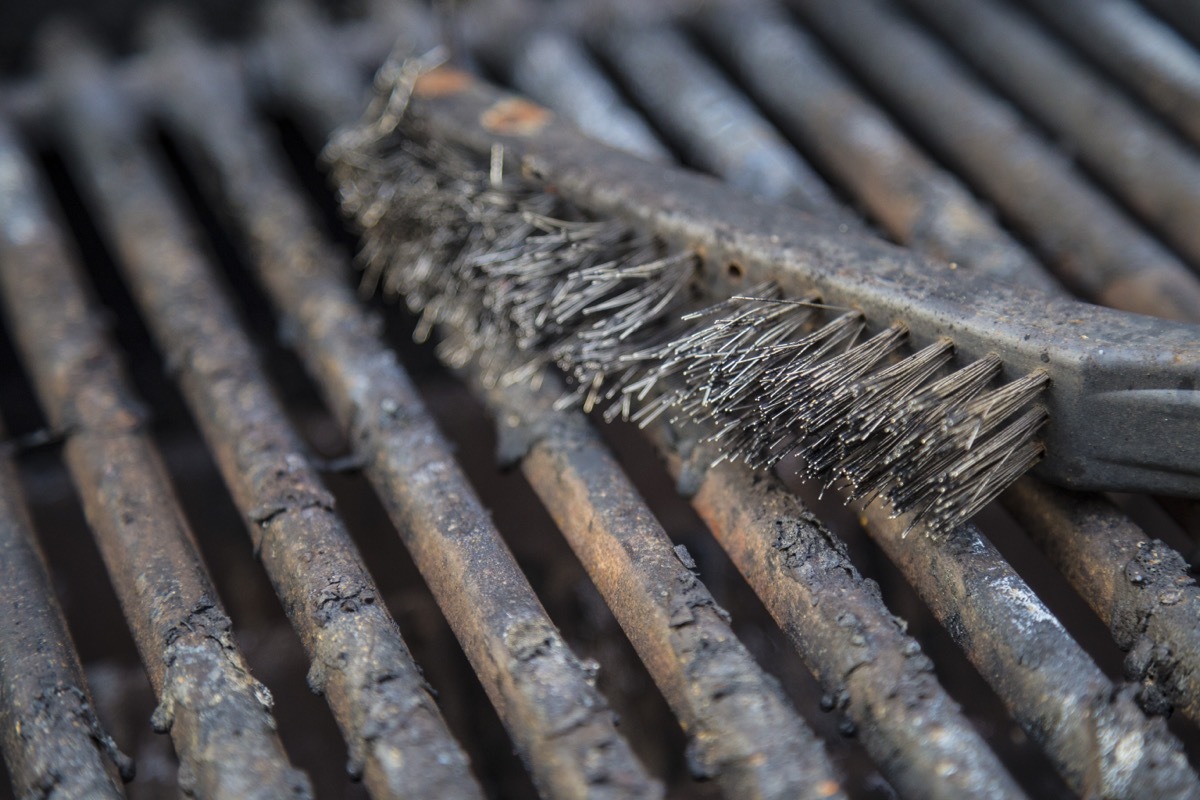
x: 515, y: 116
x: 441, y: 82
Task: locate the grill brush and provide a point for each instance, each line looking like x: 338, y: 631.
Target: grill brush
x: 659, y: 291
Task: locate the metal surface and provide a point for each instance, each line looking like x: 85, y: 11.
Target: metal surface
x: 559, y: 722
x: 217, y: 713
x: 870, y: 670
x: 712, y: 122
x: 1140, y: 587
x: 1093, y: 247
x: 742, y: 731
x: 1136, y: 49
x: 50, y: 737
x: 1140, y: 160
x: 919, y: 204
x: 1093, y: 731
x: 397, y: 739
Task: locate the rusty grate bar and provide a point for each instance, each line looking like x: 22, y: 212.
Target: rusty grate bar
x: 871, y: 671
x: 1136, y: 157
x: 716, y: 126
x: 1091, y: 244
x: 561, y: 725
x: 1136, y: 49
x: 742, y: 731
x: 1051, y: 686
x: 919, y: 204
x: 396, y: 736
x: 1137, y: 585
x: 218, y: 715
x: 51, y: 739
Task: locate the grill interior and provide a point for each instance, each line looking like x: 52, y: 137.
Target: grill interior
x: 1059, y: 603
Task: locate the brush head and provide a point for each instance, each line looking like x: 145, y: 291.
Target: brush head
x: 480, y: 252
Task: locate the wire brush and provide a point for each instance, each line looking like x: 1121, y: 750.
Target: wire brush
x: 894, y: 377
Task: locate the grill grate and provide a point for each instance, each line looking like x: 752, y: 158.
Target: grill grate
x: 184, y: 156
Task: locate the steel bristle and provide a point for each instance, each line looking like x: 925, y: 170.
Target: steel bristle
x: 480, y: 254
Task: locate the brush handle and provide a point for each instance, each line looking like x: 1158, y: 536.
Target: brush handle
x: 1124, y: 399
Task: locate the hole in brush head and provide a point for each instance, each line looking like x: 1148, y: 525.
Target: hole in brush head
x: 735, y: 270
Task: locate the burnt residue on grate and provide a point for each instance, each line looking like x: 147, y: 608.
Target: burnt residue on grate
x: 1091, y: 244
x: 1093, y: 731
x: 870, y: 670
x: 49, y: 734
x: 395, y: 734
x: 742, y: 731
x: 546, y: 696
x: 1139, y: 586
x: 218, y: 715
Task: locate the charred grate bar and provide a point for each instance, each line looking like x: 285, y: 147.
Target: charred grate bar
x: 641, y: 84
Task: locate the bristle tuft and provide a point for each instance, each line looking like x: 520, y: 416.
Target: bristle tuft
x: 481, y: 254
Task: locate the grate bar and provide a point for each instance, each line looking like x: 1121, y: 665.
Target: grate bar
x: 1139, y: 159
x: 396, y: 736
x: 870, y: 670
x: 554, y: 68
x: 1094, y: 733
x: 51, y: 739
x: 1144, y: 53
x: 716, y: 126
x: 741, y: 729
x: 545, y: 696
x: 1139, y: 586
x: 218, y: 715
x: 767, y: 50
x: 918, y: 203
x: 1090, y: 243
